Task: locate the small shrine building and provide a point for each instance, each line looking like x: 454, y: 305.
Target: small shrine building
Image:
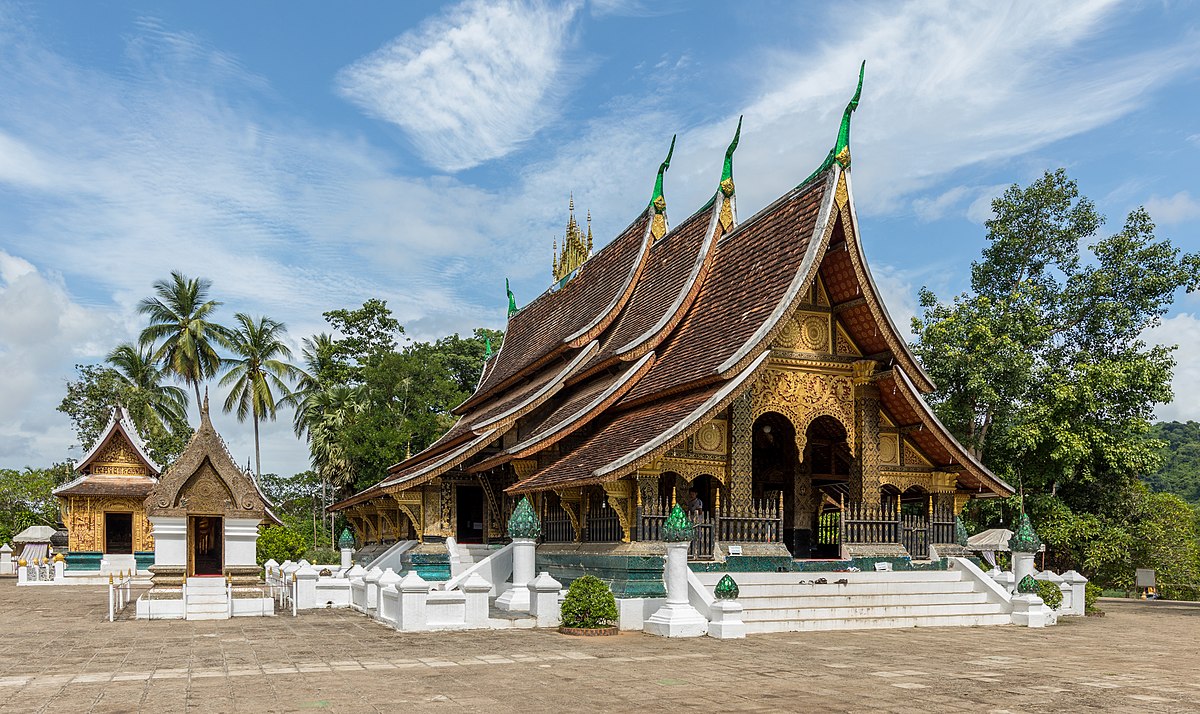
x: 205, y: 512
x: 102, y: 507
x: 747, y: 369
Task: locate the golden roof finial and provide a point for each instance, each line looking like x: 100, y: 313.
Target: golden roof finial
x: 575, y: 249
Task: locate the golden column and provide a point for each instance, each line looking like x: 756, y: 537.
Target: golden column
x: 864, y: 476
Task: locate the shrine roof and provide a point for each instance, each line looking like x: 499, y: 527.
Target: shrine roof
x: 570, y: 316
x: 757, y: 276
x: 119, y: 421
x: 625, y: 440
x: 107, y: 485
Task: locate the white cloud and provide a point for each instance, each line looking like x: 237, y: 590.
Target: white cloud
x: 1179, y: 208
x: 980, y: 209
x: 469, y: 85
x: 1182, y: 330
x: 932, y: 209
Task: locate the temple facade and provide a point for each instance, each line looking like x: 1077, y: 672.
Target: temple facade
x: 205, y: 512
x: 746, y: 369
x: 102, y: 507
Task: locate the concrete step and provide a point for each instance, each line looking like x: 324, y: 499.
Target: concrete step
x: 223, y: 615
x: 207, y: 606
x: 898, y: 576
x: 869, y: 623
x: 850, y: 599
x: 893, y: 612
x: 206, y: 598
x: 898, y: 588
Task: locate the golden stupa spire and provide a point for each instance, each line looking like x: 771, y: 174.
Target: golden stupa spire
x: 576, y: 249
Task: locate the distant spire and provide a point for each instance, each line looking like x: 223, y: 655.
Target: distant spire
x: 726, y: 185
x: 204, y: 407
x: 512, y: 299
x: 576, y: 249
x: 658, y: 225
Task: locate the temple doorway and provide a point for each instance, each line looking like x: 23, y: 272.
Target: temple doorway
x: 775, y: 466
x: 469, y: 500
x: 118, y: 533
x: 827, y: 463
x: 208, y: 538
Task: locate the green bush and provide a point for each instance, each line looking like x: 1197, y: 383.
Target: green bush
x: 1050, y: 593
x: 589, y: 604
x: 323, y: 555
x: 281, y: 544
x: 1091, y: 594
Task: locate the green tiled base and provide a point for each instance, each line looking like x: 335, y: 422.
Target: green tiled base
x: 626, y: 575
x: 82, y: 560
x: 144, y: 559
x: 430, y: 566
x: 749, y: 564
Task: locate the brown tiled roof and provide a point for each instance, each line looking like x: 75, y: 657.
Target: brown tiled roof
x: 758, y: 269
x: 575, y: 411
x: 106, y: 485
x: 675, y: 266
x: 624, y: 440
x: 570, y: 316
x: 902, y: 400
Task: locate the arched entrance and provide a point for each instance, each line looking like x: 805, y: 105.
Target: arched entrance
x: 775, y: 469
x: 826, y: 471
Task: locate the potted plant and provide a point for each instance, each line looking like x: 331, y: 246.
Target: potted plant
x: 589, y: 608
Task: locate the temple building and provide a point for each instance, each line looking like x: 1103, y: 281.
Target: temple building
x: 102, y: 507
x: 747, y: 369
x: 205, y: 512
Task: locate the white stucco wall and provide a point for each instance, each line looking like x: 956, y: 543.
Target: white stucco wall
x: 241, y: 539
x: 170, y: 540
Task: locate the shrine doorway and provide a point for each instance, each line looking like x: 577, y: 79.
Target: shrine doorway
x: 207, y: 540
x: 118, y: 533
x: 469, y: 514
x: 775, y: 465
x: 822, y: 488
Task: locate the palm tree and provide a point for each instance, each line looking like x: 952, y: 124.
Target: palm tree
x: 179, y: 325
x: 140, y: 374
x: 317, y: 354
x: 329, y: 412
x: 256, y: 370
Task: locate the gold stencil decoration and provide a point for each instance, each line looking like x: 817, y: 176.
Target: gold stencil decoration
x: 726, y: 214
x: 814, y: 333
x: 889, y: 450
x: 841, y: 194
x: 710, y: 439
x: 802, y: 397
x: 658, y: 226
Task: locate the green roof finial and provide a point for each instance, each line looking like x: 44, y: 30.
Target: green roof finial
x: 524, y: 523
x: 841, y: 150
x: 677, y: 528
x: 512, y: 300
x: 487, y: 346
x: 840, y: 153
x: 727, y: 169
x: 658, y: 182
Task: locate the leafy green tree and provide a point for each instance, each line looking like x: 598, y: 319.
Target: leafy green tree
x: 1180, y: 456
x: 28, y: 498
x: 255, y: 375
x: 281, y: 543
x: 1041, y: 369
x: 185, y: 337
x: 368, y: 333
x: 89, y: 401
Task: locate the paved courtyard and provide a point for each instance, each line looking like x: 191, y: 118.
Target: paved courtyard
x: 57, y: 653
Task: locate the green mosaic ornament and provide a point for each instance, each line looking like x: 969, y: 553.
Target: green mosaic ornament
x: 346, y: 540
x: 677, y: 528
x: 726, y: 589
x: 660, y: 206
x: 727, y: 167
x: 1027, y: 586
x: 1025, y: 540
x: 960, y: 532
x: 524, y: 522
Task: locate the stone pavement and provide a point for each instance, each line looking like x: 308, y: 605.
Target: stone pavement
x: 58, y: 654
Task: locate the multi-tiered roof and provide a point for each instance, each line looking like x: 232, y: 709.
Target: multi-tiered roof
x: 661, y: 329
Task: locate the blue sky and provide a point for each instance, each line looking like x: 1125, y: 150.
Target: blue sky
x: 307, y: 156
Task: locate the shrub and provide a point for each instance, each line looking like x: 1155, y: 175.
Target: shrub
x: 589, y: 604
x: 323, y: 555
x: 1050, y: 594
x: 1091, y: 594
x: 281, y: 544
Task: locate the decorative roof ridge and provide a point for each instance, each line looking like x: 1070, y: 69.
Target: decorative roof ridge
x: 119, y: 417
x: 805, y: 274
x: 609, y: 313
x: 658, y: 202
x: 892, y: 335
x: 917, y: 402
x: 840, y: 153
x: 477, y: 397
x: 545, y: 391
x: 440, y: 466
x: 581, y: 417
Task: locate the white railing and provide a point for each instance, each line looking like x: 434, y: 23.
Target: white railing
x: 118, y: 593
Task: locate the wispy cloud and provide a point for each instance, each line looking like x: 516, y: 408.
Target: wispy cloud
x: 1180, y: 208
x: 1182, y: 330
x: 472, y: 84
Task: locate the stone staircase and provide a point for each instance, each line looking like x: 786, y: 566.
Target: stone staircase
x: 793, y: 602
x: 206, y: 599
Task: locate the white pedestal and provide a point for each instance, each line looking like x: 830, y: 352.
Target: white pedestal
x: 727, y: 621
x: 1030, y: 611
x: 545, y: 607
x: 1022, y: 565
x: 677, y: 618
x: 516, y: 598
x: 347, y: 554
